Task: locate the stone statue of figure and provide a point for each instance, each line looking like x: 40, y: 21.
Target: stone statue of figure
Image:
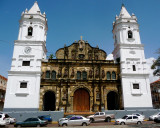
x: 90, y: 73
x: 97, y: 72
x: 72, y: 74
x: 59, y: 71
x: 66, y: 72
x: 103, y: 74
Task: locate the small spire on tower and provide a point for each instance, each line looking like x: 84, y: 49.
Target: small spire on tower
x: 26, y: 11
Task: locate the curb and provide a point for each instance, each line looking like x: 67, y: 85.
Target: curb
x: 54, y: 122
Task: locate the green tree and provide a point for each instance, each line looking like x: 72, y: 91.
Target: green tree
x: 50, y: 57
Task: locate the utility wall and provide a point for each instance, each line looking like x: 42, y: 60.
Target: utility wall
x: 21, y: 116
x: 121, y: 113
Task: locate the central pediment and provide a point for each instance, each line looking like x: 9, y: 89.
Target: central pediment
x: 81, y: 50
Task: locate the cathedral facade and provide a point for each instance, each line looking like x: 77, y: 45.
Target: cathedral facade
x: 79, y: 78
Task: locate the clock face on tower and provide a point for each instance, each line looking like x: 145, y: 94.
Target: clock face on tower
x: 27, y: 50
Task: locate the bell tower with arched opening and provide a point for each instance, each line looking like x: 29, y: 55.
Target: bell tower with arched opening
x: 24, y: 76
x: 129, y: 52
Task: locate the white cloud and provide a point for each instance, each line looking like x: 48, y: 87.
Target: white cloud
x: 151, y: 76
x: 109, y: 57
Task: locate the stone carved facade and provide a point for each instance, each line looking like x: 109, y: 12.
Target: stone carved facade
x: 80, y: 67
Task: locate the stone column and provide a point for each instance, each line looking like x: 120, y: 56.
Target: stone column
x: 106, y: 107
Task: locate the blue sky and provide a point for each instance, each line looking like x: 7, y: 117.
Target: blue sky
x: 70, y: 19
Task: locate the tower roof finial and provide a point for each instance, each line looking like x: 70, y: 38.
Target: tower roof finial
x: 35, y: 8
x: 122, y: 5
x: 124, y: 12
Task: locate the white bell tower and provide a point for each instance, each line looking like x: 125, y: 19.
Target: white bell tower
x: 129, y: 52
x: 23, y: 87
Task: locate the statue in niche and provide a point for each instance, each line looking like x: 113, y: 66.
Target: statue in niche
x: 97, y: 72
x: 103, y: 73
x: 73, y: 54
x: 66, y: 72
x: 64, y: 95
x: 96, y: 57
x: 72, y: 72
x: 90, y: 56
x: 98, y: 95
x: 59, y: 72
x: 90, y: 73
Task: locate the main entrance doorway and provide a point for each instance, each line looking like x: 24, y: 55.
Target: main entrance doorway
x: 81, y: 100
x: 49, y: 101
x: 112, y: 100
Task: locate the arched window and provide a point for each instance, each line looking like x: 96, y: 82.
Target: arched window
x: 53, y: 75
x: 47, y: 74
x: 78, y: 75
x: 113, y: 75
x: 30, y: 31
x: 108, y: 75
x: 84, y: 75
x: 130, y: 34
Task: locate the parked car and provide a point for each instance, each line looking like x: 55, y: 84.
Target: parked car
x: 46, y: 117
x: 31, y: 122
x: 139, y: 115
x: 152, y: 117
x: 129, y: 119
x: 157, y: 119
x: 101, y: 116
x: 66, y: 118
x: 9, y: 119
x: 75, y: 120
x: 2, y: 119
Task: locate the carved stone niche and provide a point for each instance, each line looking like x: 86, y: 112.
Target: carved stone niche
x: 65, y: 72
x: 97, y: 95
x: 64, y: 97
x: 59, y: 72
x: 90, y: 73
x: 73, y: 54
x: 103, y: 74
x: 90, y: 55
x: 72, y: 72
x: 97, y: 72
x: 96, y: 57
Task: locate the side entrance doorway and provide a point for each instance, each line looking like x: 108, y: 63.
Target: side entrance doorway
x: 49, y: 101
x: 81, y: 101
x: 112, y: 101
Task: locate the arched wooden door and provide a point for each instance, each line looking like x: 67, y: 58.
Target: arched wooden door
x: 81, y: 100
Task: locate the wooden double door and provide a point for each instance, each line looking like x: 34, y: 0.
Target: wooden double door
x: 81, y: 101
